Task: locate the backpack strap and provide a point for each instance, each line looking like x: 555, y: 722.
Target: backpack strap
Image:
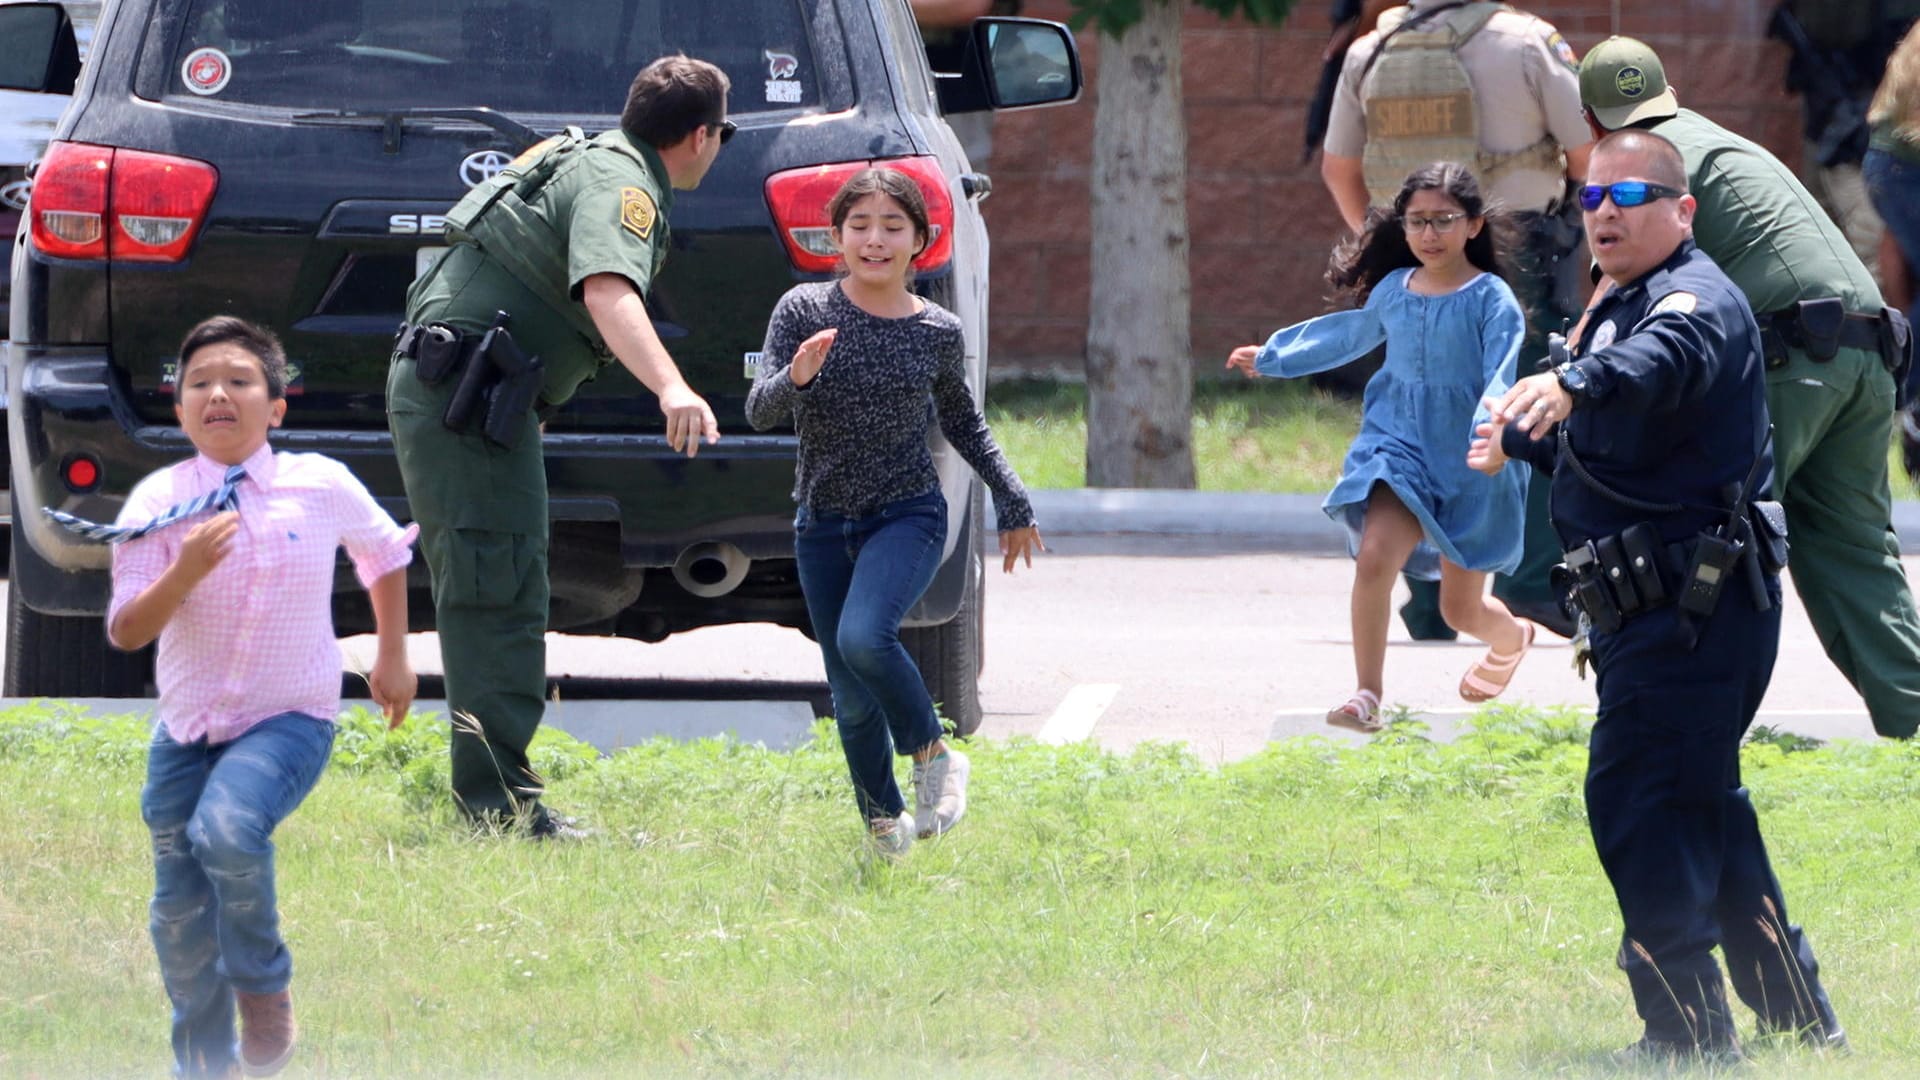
x: 1402, y: 25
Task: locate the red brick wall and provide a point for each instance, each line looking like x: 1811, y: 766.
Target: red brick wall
x: 1262, y: 223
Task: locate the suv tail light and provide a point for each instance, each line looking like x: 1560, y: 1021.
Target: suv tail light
x: 69, y: 201
x: 798, y: 199
x: 156, y: 203
x: 159, y: 203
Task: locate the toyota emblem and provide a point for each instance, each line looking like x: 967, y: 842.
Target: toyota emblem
x: 15, y: 194
x: 479, y: 168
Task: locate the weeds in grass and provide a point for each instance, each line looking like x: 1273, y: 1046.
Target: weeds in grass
x: 1400, y: 908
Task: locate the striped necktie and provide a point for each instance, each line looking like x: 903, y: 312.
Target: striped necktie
x: 224, y: 497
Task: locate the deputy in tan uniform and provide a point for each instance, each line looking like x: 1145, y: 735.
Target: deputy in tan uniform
x: 1498, y: 90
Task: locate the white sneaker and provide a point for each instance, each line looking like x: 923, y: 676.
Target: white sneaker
x: 940, y: 793
x: 891, y: 837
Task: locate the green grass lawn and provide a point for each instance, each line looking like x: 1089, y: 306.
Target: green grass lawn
x: 1263, y: 435
x: 1397, y: 909
x: 1276, y: 435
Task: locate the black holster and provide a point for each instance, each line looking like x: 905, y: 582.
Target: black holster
x: 1822, y: 327
x: 498, y: 386
x: 1896, y: 350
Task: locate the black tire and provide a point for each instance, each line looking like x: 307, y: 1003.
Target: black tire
x: 950, y: 656
x: 62, y: 656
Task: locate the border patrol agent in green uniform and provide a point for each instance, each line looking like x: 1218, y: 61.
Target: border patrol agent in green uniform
x: 564, y: 244
x: 1831, y: 346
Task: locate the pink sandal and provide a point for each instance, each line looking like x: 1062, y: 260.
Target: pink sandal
x: 1490, y: 674
x: 1359, y: 713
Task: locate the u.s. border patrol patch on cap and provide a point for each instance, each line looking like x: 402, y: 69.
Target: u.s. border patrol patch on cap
x: 1682, y: 302
x: 1559, y: 47
x: 637, y: 212
x: 1630, y: 81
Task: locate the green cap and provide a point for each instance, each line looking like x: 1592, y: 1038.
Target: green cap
x: 1623, y: 82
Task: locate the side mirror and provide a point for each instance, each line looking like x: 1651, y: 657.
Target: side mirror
x: 1029, y: 62
x: 1012, y: 64
x: 38, y: 50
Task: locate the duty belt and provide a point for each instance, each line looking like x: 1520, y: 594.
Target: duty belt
x: 1616, y: 577
x: 441, y: 352
x: 1821, y: 328
x: 410, y: 340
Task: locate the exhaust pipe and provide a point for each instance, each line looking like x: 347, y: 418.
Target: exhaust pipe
x: 711, y: 568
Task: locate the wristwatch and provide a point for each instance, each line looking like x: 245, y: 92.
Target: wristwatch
x: 1572, y: 380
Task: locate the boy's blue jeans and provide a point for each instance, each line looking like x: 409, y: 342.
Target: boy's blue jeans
x: 860, y: 575
x: 212, y: 811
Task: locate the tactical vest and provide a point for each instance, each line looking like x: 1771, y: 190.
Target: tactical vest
x: 497, y: 216
x: 1419, y: 102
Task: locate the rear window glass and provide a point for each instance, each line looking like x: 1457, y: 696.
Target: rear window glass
x: 529, y: 56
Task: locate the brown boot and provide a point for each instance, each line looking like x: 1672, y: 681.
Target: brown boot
x: 267, y: 1031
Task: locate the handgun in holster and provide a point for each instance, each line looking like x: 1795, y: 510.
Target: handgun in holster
x: 498, y: 375
x: 1583, y: 578
x: 512, y: 396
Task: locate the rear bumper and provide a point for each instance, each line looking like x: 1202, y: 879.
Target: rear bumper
x: 623, y: 507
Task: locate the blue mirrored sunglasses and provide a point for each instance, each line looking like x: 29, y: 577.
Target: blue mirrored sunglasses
x: 1626, y: 193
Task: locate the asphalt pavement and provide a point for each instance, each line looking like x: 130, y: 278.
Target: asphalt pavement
x: 1215, y: 620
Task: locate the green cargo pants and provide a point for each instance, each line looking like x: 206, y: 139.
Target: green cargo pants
x: 482, y: 512
x: 1832, y: 425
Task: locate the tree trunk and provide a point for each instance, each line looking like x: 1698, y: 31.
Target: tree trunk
x: 1139, y: 373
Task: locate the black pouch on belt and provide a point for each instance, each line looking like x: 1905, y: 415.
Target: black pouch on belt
x: 1641, y: 545
x: 1896, y: 349
x: 1613, y: 566
x: 436, y: 353
x: 1819, y: 323
x: 1768, y: 520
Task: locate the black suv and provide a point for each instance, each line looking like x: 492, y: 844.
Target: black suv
x: 290, y: 161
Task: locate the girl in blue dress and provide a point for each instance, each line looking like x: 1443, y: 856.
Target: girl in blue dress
x: 1426, y: 275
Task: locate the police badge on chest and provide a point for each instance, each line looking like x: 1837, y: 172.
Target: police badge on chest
x: 1603, y: 336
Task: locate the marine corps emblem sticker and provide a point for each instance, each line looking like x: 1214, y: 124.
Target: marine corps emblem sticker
x: 636, y: 212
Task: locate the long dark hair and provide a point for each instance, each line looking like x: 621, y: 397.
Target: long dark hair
x: 1360, y: 263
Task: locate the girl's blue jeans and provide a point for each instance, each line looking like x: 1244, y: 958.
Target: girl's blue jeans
x: 212, y: 811
x: 860, y: 576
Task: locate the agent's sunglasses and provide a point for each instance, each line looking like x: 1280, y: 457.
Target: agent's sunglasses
x: 727, y: 128
x: 1625, y: 194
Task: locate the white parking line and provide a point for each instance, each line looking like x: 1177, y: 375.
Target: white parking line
x: 1078, y: 712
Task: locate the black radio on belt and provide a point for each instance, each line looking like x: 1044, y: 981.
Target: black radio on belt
x: 1714, y: 558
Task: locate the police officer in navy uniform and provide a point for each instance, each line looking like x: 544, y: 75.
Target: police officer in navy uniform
x: 1655, y: 438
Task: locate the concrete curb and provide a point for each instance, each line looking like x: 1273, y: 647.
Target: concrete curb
x: 1289, y: 522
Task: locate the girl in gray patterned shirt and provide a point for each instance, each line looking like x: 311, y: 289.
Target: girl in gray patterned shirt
x: 862, y: 366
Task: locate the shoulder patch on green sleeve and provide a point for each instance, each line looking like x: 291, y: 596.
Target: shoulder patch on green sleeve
x: 637, y: 213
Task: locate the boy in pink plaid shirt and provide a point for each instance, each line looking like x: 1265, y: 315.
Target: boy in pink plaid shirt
x: 249, y: 676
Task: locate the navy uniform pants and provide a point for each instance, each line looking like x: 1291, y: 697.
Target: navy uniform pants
x: 1675, y: 831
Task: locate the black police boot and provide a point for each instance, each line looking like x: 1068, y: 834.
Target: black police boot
x: 551, y: 825
x: 1547, y: 613
x: 1659, y: 1053
x: 1421, y: 612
